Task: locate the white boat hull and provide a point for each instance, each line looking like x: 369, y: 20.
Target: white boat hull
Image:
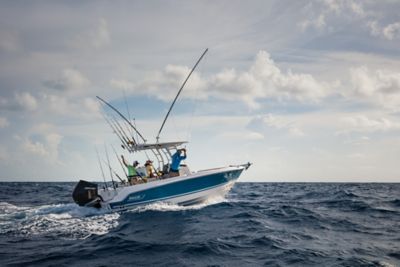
x: 183, y: 190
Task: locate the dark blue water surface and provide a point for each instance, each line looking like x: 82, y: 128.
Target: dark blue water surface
x: 257, y: 224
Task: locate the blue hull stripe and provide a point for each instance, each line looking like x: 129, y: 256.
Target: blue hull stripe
x: 177, y: 189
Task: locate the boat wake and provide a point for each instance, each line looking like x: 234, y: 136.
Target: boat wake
x: 67, y: 221
x: 70, y: 221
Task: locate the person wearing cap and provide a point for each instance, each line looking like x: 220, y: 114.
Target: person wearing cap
x: 133, y: 176
x: 150, y: 169
x: 176, y: 158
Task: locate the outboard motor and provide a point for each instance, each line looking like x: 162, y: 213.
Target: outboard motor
x: 85, y: 194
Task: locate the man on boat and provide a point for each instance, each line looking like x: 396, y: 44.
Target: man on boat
x: 151, y: 173
x: 176, y: 162
x: 133, y: 176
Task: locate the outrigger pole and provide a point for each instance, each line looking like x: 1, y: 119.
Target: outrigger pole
x: 179, y: 92
x: 101, y: 167
x: 123, y: 117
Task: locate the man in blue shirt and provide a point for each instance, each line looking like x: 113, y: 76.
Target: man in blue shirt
x: 176, y: 162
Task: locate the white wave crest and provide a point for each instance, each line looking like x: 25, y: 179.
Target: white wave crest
x: 165, y: 206
x: 63, y: 220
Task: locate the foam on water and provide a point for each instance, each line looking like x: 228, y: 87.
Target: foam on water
x: 71, y: 221
x: 164, y: 206
x: 63, y: 220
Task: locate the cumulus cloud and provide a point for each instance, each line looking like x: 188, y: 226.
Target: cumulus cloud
x: 20, y: 101
x: 42, y: 140
x: 380, y: 87
x: 26, y: 100
x: 264, y: 79
x: 84, y: 108
x: 389, y: 32
x: 70, y: 81
x: 318, y: 13
x: 392, y: 31
x: 339, y: 6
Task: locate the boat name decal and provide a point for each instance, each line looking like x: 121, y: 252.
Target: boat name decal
x: 136, y: 197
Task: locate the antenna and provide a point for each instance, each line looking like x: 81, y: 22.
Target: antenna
x: 179, y: 92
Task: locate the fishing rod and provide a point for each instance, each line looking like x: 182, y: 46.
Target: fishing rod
x: 179, y: 92
x: 108, y: 161
x: 120, y: 137
x: 130, y: 132
x: 122, y: 132
x: 116, y: 174
x: 119, y: 160
x: 101, y: 168
x: 122, y: 116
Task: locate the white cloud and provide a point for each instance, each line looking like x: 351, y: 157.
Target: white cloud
x: 280, y: 123
x: 4, y: 122
x: 317, y: 23
x: 322, y: 14
x: 19, y: 101
x: 380, y: 87
x: 36, y: 148
x: 392, y: 31
x: 26, y: 101
x: 92, y: 106
x: 374, y: 27
x: 389, y: 32
x: 264, y: 79
x: 70, y: 81
x: 42, y: 140
x: 83, y: 108
x: 339, y: 7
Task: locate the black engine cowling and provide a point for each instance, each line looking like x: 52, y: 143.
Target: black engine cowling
x: 85, y: 194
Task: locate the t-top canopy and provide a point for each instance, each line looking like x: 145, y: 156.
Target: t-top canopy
x: 166, y: 145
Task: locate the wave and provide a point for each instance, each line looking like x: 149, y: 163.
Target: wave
x: 69, y: 221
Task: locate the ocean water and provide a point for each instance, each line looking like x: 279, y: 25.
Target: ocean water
x: 257, y: 224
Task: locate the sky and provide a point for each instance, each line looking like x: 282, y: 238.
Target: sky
x: 308, y: 91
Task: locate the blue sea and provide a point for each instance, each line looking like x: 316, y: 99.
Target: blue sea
x: 257, y: 224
